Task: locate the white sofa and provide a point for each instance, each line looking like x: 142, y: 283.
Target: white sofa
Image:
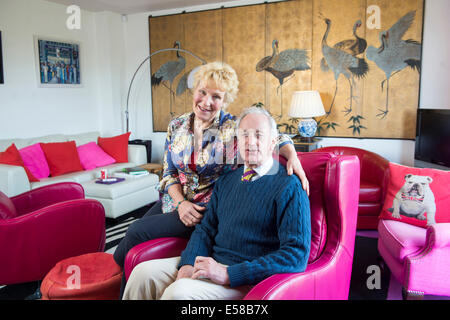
x: 117, y: 199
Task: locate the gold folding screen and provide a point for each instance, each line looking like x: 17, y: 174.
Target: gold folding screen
x: 372, y: 48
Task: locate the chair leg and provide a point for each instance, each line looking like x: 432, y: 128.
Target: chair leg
x: 412, y: 295
x: 37, y: 295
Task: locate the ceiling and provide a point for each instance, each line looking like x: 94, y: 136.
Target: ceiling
x: 132, y: 6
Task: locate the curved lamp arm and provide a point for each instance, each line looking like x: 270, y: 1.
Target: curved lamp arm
x: 148, y: 58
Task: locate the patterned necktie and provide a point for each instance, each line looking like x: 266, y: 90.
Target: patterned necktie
x: 249, y: 173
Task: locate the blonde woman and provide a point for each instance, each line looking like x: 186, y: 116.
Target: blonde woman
x: 200, y: 146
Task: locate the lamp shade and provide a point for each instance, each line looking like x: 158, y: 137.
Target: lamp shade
x: 306, y: 104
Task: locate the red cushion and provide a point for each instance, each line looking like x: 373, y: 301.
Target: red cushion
x: 89, y: 276
x: 12, y: 157
x: 62, y: 157
x: 417, y: 196
x: 116, y: 147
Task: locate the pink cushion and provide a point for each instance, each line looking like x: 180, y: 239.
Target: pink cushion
x: 401, y: 239
x: 92, y: 156
x: 34, y: 159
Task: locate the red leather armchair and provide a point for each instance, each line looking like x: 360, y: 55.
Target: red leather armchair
x: 40, y: 227
x: 373, y: 185
x: 334, y: 185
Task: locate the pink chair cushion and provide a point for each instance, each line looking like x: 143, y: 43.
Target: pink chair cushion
x: 92, y: 156
x: 401, y: 239
x: 34, y: 159
x: 315, y: 164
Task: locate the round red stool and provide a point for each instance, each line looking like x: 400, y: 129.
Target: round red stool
x: 92, y: 276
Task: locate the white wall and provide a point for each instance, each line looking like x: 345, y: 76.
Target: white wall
x: 435, y: 81
x: 435, y: 84
x: 27, y: 110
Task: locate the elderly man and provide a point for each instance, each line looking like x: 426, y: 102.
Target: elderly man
x: 257, y: 224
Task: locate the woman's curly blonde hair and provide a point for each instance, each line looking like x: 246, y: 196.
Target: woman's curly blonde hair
x: 220, y: 75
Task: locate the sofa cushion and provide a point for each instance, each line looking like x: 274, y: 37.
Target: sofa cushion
x: 25, y: 142
x: 78, y: 176
x: 418, y: 196
x: 62, y: 157
x: 12, y: 157
x: 92, y: 156
x: 116, y: 147
x: 83, y: 138
x: 34, y: 159
x: 401, y: 239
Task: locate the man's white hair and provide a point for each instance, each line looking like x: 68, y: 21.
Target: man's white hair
x: 260, y: 110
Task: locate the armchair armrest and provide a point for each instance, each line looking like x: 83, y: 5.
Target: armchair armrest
x: 13, y: 180
x: 312, y: 284
x: 153, y: 249
x: 137, y: 154
x: 438, y: 235
x: 47, y: 195
x: 433, y: 259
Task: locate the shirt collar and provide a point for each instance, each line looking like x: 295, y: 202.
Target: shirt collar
x: 264, y: 168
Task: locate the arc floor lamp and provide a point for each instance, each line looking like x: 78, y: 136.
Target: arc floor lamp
x: 139, y: 67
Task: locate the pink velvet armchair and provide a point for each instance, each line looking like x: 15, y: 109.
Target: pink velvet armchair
x: 373, y: 184
x: 334, y: 185
x: 40, y: 227
x: 418, y: 258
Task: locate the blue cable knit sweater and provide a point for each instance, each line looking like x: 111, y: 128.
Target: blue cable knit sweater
x: 257, y: 228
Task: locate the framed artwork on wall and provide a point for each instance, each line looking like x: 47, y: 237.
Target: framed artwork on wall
x: 58, y: 62
x: 2, y: 80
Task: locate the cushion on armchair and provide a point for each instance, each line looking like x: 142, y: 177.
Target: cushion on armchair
x: 417, y: 196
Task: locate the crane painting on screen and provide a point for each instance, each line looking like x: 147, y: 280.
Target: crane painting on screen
x: 342, y: 59
x: 283, y: 64
x: 395, y: 54
x: 168, y: 72
x: 354, y: 47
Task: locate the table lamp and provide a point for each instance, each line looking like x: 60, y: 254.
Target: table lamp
x: 306, y: 105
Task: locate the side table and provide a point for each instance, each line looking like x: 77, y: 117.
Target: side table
x: 306, y: 146
x: 153, y: 168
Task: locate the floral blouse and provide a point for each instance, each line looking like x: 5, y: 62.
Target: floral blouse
x: 197, y: 172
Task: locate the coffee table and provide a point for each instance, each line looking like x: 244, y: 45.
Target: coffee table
x: 125, y: 196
